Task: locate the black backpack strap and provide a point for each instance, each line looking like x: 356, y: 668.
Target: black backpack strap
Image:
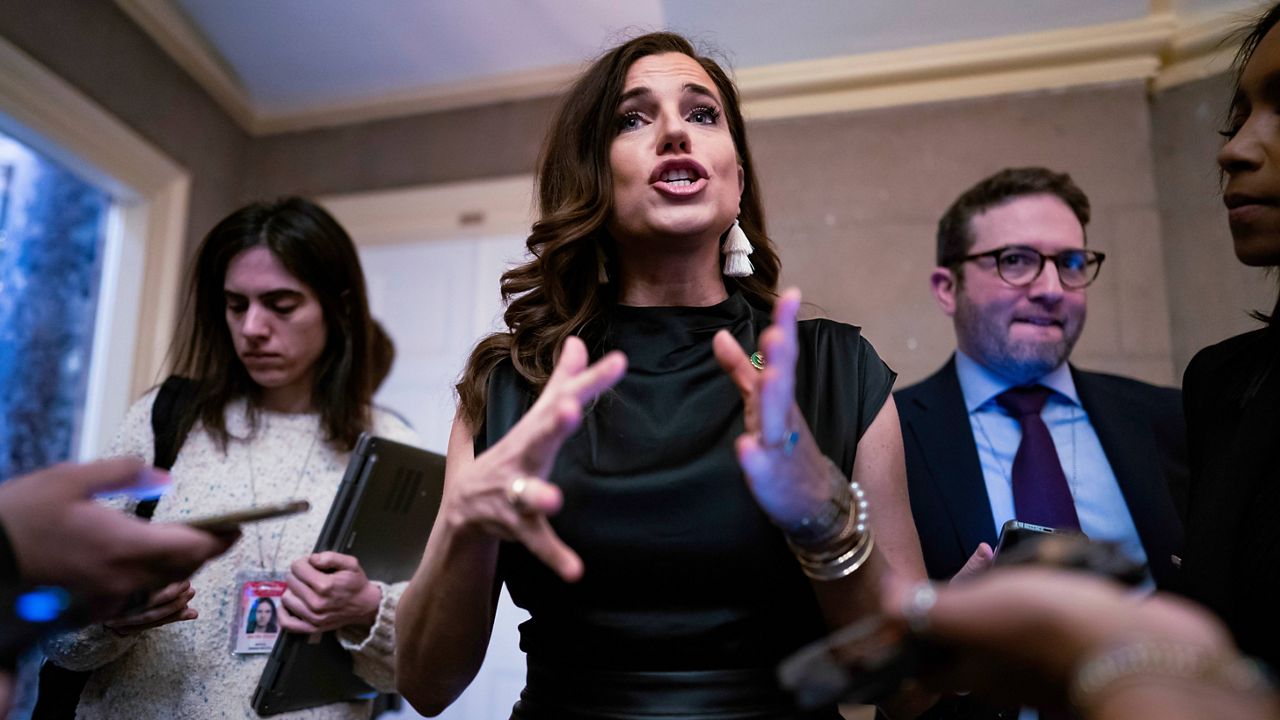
x: 174, y: 397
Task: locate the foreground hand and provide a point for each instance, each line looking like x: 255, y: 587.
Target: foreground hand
x: 169, y: 604
x: 979, y: 562
x: 327, y: 591
x: 61, y: 536
x: 787, y: 473
x: 504, y: 493
x: 1017, y: 634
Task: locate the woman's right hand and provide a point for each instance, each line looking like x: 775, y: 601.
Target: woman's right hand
x: 169, y: 604
x: 504, y: 493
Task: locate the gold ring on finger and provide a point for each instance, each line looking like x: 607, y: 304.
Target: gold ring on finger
x: 515, y: 495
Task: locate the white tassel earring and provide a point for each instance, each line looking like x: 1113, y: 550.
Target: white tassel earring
x: 736, y: 249
x: 602, y: 275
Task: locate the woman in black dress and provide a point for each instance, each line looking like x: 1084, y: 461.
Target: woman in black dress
x: 655, y: 454
x: 1232, y: 389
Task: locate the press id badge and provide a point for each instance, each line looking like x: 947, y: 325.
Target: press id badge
x: 257, y: 621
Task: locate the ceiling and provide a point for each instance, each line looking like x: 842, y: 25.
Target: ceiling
x: 294, y: 57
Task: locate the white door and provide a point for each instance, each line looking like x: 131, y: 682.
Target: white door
x: 432, y: 258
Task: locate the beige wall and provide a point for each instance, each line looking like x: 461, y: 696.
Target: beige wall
x: 852, y: 198
x: 1210, y: 292
x: 465, y: 144
x: 853, y: 202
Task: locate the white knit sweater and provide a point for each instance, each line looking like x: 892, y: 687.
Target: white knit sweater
x: 186, y: 669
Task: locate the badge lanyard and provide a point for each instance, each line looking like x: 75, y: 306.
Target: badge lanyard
x: 256, y: 623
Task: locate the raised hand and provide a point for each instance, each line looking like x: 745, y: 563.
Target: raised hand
x: 785, y: 469
x: 504, y: 492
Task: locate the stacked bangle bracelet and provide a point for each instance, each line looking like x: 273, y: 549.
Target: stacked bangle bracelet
x: 838, y: 540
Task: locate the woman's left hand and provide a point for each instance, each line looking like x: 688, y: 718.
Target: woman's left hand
x: 327, y: 591
x: 785, y: 469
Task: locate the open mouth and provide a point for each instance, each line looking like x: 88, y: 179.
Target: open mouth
x: 679, y: 177
x: 682, y: 177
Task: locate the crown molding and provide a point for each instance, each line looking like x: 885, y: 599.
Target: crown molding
x: 509, y: 87
x: 1164, y: 49
x: 1034, y: 61
x: 184, y: 44
x: 1201, y: 46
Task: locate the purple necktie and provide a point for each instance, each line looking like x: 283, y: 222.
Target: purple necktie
x: 1040, y: 491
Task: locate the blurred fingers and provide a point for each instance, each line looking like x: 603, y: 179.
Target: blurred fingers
x: 735, y: 363
x: 545, y: 545
x: 104, y: 476
x: 531, y: 495
x: 979, y: 562
x: 175, y: 610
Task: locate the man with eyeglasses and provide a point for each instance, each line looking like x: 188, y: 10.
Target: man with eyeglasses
x: 1008, y: 429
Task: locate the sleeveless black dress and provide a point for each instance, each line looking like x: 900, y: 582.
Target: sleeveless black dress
x: 690, y: 596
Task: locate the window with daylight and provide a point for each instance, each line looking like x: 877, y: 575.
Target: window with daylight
x: 53, y: 227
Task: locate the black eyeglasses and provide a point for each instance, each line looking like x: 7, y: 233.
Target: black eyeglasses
x: 1019, y: 265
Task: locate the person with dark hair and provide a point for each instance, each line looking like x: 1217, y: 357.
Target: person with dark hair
x: 262, y: 616
x: 1008, y: 429
x: 274, y: 353
x: 382, y: 354
x: 1232, y: 389
x: 655, y: 457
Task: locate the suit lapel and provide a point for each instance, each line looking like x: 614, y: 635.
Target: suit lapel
x: 1134, y: 456
x: 941, y: 429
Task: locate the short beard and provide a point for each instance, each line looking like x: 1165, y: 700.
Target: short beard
x: 1018, y: 362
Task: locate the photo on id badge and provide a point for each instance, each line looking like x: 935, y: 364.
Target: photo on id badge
x: 257, y: 623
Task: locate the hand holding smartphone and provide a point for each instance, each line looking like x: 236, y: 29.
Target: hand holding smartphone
x: 1015, y: 533
x: 226, y: 522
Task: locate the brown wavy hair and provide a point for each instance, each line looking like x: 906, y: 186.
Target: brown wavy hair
x: 314, y: 248
x: 556, y: 294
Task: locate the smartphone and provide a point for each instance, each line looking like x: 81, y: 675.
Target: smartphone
x: 1016, y: 532
x: 236, y: 518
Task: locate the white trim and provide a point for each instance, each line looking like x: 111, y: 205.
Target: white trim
x: 173, y: 32
x: 524, y: 85
x: 45, y: 112
x: 476, y: 208
x: 1058, y: 58
x: 1164, y: 47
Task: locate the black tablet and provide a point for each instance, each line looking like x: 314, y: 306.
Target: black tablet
x: 382, y: 515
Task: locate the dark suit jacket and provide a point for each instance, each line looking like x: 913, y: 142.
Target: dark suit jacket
x: 1142, y: 432
x: 1140, y: 427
